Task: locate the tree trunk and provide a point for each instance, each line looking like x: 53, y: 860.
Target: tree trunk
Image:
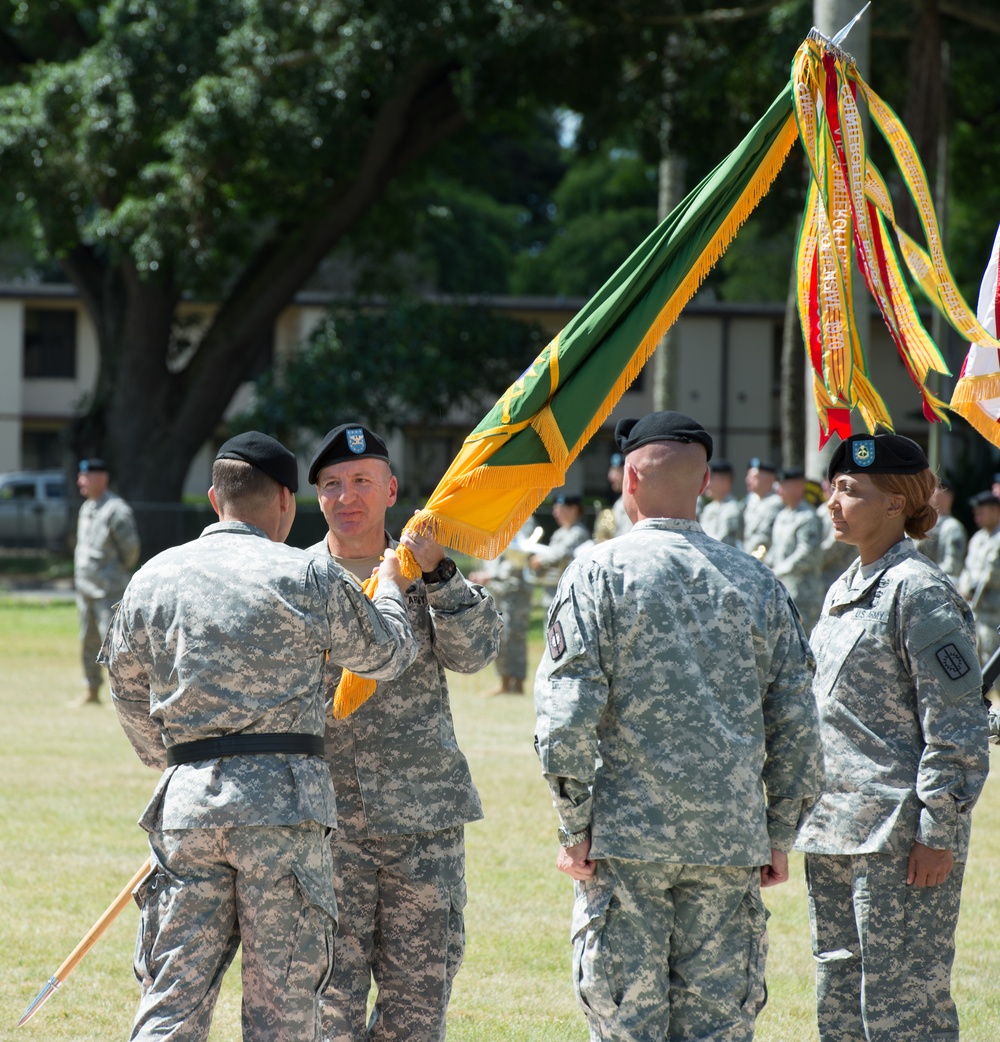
x: 148, y: 420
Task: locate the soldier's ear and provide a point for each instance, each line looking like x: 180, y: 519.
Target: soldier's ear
x: 896, y: 505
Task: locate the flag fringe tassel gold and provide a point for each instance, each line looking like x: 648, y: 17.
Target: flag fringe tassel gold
x: 353, y: 691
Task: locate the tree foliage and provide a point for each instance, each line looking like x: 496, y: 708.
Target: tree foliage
x: 397, y: 363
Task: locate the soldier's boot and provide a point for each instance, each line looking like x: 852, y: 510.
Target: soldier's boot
x: 517, y: 685
x: 504, y: 688
x: 92, y: 697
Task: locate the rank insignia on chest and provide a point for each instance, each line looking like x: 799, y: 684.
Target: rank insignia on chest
x: 863, y: 452
x: 952, y: 661
x: 557, y: 641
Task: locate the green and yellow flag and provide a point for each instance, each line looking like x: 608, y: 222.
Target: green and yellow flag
x: 524, y: 445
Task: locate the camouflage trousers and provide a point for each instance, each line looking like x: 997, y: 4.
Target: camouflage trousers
x: 95, y: 614
x: 883, y: 950
x: 402, y: 922
x: 669, y: 952
x: 210, y: 889
x: 515, y: 608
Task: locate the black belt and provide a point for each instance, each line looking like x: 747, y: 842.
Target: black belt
x: 244, y: 745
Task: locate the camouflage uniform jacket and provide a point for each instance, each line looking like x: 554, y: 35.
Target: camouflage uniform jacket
x: 796, y: 541
x: 945, y: 545
x: 564, y: 541
x: 395, y: 761
x: 903, y: 725
x: 723, y: 520
x: 107, y: 546
x: 674, y: 686
x: 758, y: 520
x: 229, y: 634
x: 981, y: 574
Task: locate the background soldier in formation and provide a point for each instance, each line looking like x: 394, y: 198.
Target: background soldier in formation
x: 946, y: 542
x: 506, y: 579
x: 979, y: 582
x: 217, y: 665
x: 796, y: 555
x: 404, y: 791
x: 107, y: 549
x: 550, y: 561
x: 674, y: 689
x: 905, y: 747
x: 761, y: 506
x: 721, y: 517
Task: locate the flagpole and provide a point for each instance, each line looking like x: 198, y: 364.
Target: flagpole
x: 89, y: 939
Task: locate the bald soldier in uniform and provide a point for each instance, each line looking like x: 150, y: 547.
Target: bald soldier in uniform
x: 673, y: 694
x: 404, y: 790
x: 217, y: 660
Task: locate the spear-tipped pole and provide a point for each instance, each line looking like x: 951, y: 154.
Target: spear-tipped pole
x: 88, y: 941
x: 838, y: 38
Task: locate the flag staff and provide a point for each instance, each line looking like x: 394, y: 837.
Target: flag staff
x: 88, y: 941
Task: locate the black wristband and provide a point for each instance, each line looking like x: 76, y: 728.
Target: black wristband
x: 442, y: 573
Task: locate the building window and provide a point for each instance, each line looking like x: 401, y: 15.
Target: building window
x: 50, y: 343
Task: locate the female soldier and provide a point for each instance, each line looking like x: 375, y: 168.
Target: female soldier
x: 904, y: 738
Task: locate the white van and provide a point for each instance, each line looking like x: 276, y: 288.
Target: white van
x: 33, y: 509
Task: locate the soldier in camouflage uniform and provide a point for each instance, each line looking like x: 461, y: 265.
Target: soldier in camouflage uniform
x: 761, y: 506
x: 979, y: 582
x: 904, y: 736
x: 510, y: 589
x: 217, y: 659
x: 550, y: 561
x: 404, y: 791
x: 107, y: 549
x: 947, y: 542
x: 721, y: 517
x: 674, y: 688
x: 795, y: 555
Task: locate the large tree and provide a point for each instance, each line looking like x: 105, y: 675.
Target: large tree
x: 222, y: 149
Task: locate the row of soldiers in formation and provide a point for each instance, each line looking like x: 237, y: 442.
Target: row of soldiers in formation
x: 784, y: 521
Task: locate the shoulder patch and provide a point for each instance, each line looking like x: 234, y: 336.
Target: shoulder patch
x: 952, y: 661
x: 557, y: 641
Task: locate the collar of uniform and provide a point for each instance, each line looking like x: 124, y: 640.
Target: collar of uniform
x: 239, y: 527
x: 669, y: 524
x: 860, y: 579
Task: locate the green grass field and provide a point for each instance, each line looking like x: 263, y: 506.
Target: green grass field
x: 71, y: 790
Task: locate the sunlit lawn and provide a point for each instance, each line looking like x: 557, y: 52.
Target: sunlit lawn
x: 71, y: 790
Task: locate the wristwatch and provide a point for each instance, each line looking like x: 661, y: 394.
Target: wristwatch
x: 442, y: 573
x: 570, y: 839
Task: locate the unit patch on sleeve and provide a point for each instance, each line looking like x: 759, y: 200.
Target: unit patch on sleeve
x: 557, y: 641
x: 952, y: 661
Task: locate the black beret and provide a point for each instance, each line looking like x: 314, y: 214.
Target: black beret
x: 755, y: 462
x: 877, y: 454
x: 347, y: 442
x: 720, y: 466
x: 996, y: 478
x: 617, y: 460
x: 791, y: 474
x: 984, y: 499
x: 264, y: 453
x: 569, y: 500
x: 92, y: 465
x: 661, y: 426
